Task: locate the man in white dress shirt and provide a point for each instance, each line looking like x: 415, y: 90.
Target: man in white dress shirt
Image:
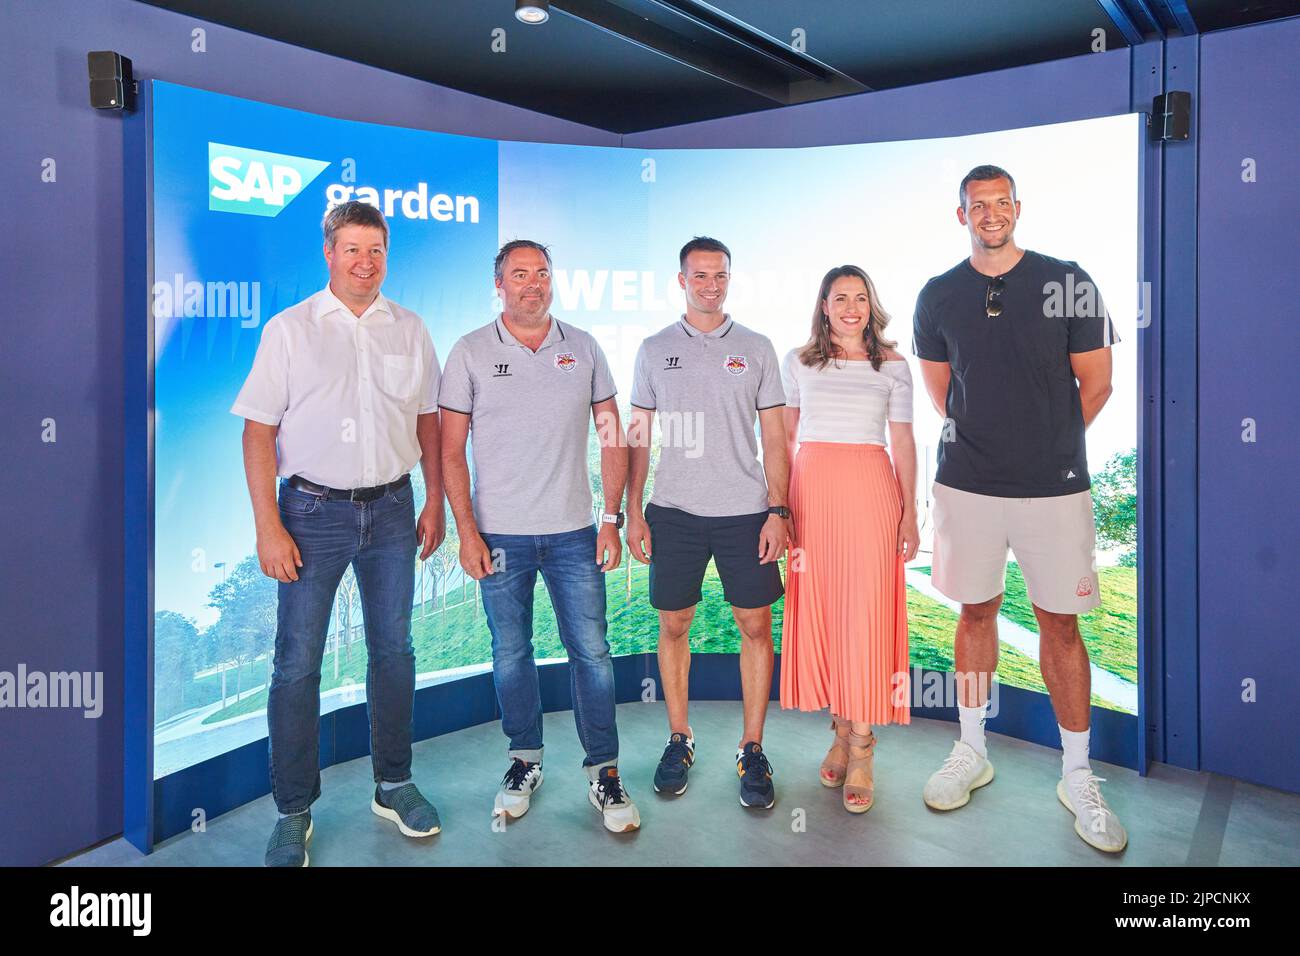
x: 341, y: 403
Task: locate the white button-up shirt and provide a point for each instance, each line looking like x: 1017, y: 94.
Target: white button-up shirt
x: 344, y: 391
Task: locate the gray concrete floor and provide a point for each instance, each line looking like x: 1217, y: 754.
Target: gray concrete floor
x: 1174, y: 817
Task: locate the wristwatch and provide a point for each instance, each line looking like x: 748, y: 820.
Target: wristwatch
x: 781, y: 511
x: 615, y: 519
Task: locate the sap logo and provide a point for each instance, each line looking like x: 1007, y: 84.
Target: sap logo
x: 254, y: 182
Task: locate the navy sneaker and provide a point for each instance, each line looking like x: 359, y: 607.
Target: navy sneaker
x: 679, y: 755
x: 755, y: 773
x: 405, y: 806
x: 289, y: 839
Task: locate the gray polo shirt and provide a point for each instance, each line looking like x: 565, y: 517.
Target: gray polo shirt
x: 706, y: 390
x: 530, y: 418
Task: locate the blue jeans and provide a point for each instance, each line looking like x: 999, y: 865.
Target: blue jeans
x: 378, y: 539
x: 577, y: 588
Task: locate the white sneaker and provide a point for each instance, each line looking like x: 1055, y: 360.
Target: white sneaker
x: 1095, y: 822
x: 517, y: 788
x: 963, y: 770
x: 607, y: 795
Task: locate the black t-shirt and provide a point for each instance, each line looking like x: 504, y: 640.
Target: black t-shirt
x: 1015, y: 426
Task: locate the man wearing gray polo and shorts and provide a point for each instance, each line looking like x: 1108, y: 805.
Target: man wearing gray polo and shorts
x: 708, y: 378
x: 524, y: 389
x: 1017, y: 382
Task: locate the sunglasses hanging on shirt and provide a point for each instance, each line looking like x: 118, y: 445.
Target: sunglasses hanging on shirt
x: 993, y: 298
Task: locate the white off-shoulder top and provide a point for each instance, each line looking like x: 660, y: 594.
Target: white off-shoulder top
x: 847, y: 401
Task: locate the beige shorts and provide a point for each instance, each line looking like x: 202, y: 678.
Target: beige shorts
x: 1054, y: 541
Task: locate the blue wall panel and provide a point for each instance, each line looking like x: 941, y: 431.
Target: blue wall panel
x: 1249, y: 239
x: 1176, y: 327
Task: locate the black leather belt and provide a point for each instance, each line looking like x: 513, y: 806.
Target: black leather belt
x: 352, y: 494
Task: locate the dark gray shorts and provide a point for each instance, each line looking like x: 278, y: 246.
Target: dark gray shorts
x: 681, y: 545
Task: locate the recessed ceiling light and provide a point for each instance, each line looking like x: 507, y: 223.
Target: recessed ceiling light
x: 532, y: 11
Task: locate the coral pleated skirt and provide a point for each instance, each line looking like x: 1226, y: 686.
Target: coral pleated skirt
x: 844, y: 640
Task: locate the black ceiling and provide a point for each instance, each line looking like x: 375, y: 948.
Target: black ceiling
x: 571, y: 68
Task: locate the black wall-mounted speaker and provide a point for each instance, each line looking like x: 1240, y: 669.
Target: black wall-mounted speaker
x: 111, y: 85
x: 1171, y: 116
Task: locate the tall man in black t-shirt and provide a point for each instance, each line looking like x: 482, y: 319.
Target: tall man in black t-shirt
x: 1015, y: 352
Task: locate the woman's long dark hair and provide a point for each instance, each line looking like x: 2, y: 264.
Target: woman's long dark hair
x: 821, y: 349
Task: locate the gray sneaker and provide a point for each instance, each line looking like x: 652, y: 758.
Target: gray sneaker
x: 1094, y: 820
x: 289, y: 839
x: 517, y: 788
x: 617, y: 811
x: 405, y: 806
x: 963, y: 770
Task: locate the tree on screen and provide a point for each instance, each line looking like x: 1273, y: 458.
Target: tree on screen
x: 176, y: 649
x: 245, y: 629
x: 1114, y: 502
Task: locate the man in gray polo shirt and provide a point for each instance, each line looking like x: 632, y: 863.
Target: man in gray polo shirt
x: 525, y: 387
x: 707, y: 377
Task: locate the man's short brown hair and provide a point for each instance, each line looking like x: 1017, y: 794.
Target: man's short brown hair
x: 983, y: 174
x: 702, y: 244
x: 352, y: 213
x: 499, y: 263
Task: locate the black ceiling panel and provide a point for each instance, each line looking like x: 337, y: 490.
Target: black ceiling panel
x: 886, y: 43
x: 1222, y: 14
x: 563, y: 67
x: 571, y: 68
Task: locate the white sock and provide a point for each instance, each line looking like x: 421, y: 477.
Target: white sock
x: 972, y: 727
x: 1074, y: 750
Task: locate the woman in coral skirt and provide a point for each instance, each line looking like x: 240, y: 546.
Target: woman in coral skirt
x: 844, y: 643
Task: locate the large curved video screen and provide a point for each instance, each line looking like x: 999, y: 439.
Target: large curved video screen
x: 239, y: 189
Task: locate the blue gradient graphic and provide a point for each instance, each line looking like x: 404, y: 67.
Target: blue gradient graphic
x: 441, y: 270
